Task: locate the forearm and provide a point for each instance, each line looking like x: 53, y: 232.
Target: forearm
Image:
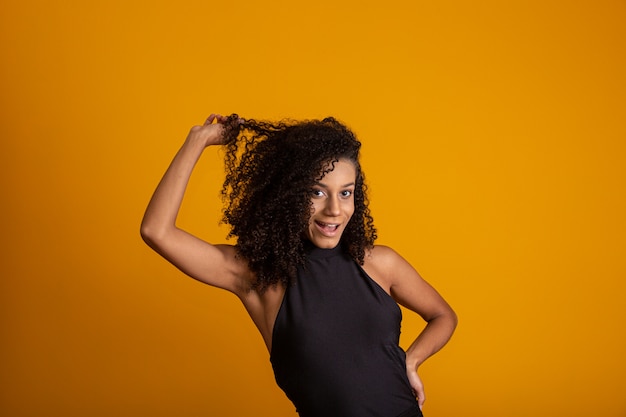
x: 161, y: 213
x: 434, y: 336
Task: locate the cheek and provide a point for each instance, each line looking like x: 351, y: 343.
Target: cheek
x: 312, y: 211
x: 350, y: 210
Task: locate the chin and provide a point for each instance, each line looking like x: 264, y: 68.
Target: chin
x: 324, y: 242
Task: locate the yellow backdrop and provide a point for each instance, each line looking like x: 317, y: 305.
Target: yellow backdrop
x: 494, y: 144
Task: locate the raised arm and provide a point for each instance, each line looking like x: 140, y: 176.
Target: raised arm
x: 213, y: 264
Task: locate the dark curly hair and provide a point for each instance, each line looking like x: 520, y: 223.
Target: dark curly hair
x: 271, y: 169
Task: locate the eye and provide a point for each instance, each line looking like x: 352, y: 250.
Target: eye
x: 317, y: 192
x: 346, y: 193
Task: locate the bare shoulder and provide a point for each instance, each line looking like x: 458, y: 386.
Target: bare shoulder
x: 404, y: 283
x: 381, y: 263
x: 383, y: 258
x: 381, y: 253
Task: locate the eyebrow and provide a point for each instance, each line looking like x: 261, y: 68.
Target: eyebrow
x: 351, y: 184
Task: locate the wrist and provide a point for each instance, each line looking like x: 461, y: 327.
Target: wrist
x: 413, y: 361
x: 195, y: 143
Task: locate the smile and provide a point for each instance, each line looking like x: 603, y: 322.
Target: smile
x: 327, y: 228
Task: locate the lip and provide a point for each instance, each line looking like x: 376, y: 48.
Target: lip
x: 327, y: 229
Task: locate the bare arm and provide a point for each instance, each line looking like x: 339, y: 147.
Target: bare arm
x: 409, y: 289
x: 213, y: 264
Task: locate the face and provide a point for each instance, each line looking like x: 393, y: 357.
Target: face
x: 332, y: 201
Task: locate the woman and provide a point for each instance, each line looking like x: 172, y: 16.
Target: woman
x: 305, y: 266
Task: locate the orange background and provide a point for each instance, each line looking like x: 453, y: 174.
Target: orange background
x: 494, y: 144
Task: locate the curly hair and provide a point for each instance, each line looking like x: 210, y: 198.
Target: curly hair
x: 271, y: 169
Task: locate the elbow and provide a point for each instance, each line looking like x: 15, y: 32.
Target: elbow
x: 150, y: 234
x: 146, y: 233
x: 448, y: 318
x: 452, y: 319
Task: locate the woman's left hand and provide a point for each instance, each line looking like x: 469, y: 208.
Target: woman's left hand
x: 417, y: 385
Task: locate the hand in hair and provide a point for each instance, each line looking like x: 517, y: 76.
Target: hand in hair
x: 211, y: 132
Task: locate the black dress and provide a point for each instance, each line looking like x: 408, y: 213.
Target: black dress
x: 335, y: 348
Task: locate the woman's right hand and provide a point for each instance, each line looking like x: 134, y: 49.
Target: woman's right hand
x: 209, y: 133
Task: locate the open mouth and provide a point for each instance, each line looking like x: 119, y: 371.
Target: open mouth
x: 327, y: 228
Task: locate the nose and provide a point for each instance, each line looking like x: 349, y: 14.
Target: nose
x: 332, y: 207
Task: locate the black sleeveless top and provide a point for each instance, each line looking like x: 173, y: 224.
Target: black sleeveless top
x: 335, y: 343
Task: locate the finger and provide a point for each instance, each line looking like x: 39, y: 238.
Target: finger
x: 421, y: 397
x: 210, y: 119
